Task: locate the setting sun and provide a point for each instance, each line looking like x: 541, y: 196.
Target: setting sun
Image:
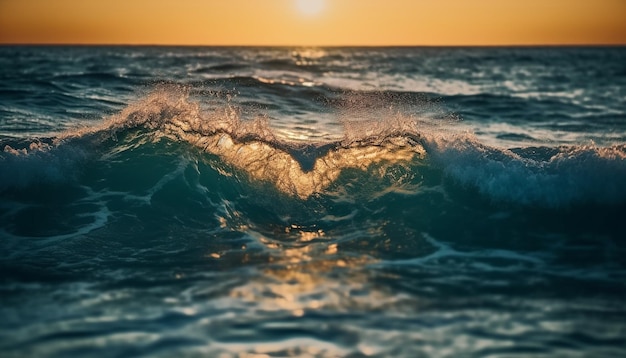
x: 310, y: 7
x: 314, y: 22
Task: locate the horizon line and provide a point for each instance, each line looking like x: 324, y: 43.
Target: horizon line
x: 309, y: 46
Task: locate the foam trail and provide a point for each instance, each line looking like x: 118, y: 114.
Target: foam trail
x: 444, y: 251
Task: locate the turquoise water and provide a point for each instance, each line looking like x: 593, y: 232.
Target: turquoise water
x: 358, y: 202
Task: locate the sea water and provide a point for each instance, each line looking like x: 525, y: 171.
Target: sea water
x: 360, y: 202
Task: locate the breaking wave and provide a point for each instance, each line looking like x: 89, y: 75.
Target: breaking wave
x: 542, y: 176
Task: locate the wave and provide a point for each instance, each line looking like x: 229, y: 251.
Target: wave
x: 543, y: 176
x: 41, y: 161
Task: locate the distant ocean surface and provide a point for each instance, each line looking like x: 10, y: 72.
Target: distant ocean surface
x: 292, y: 202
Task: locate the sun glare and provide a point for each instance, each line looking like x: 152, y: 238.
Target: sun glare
x: 310, y: 7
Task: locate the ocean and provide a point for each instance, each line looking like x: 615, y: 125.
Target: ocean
x: 312, y: 202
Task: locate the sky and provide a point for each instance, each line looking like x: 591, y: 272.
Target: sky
x: 314, y: 22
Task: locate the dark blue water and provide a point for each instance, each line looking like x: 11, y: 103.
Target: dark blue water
x: 377, y: 202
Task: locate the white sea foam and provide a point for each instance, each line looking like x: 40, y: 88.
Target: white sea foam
x: 564, y: 175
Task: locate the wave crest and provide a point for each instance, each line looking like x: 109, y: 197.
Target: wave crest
x: 294, y: 168
x: 541, y: 176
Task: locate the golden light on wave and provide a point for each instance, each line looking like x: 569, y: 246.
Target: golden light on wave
x: 310, y: 7
x: 365, y: 143
x: 300, y: 274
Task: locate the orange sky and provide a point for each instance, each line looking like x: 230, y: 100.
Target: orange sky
x: 340, y: 22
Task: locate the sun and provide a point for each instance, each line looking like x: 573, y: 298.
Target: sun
x: 310, y: 7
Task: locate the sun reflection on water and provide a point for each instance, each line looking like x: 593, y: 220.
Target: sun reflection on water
x: 302, y: 276
x: 308, y: 56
